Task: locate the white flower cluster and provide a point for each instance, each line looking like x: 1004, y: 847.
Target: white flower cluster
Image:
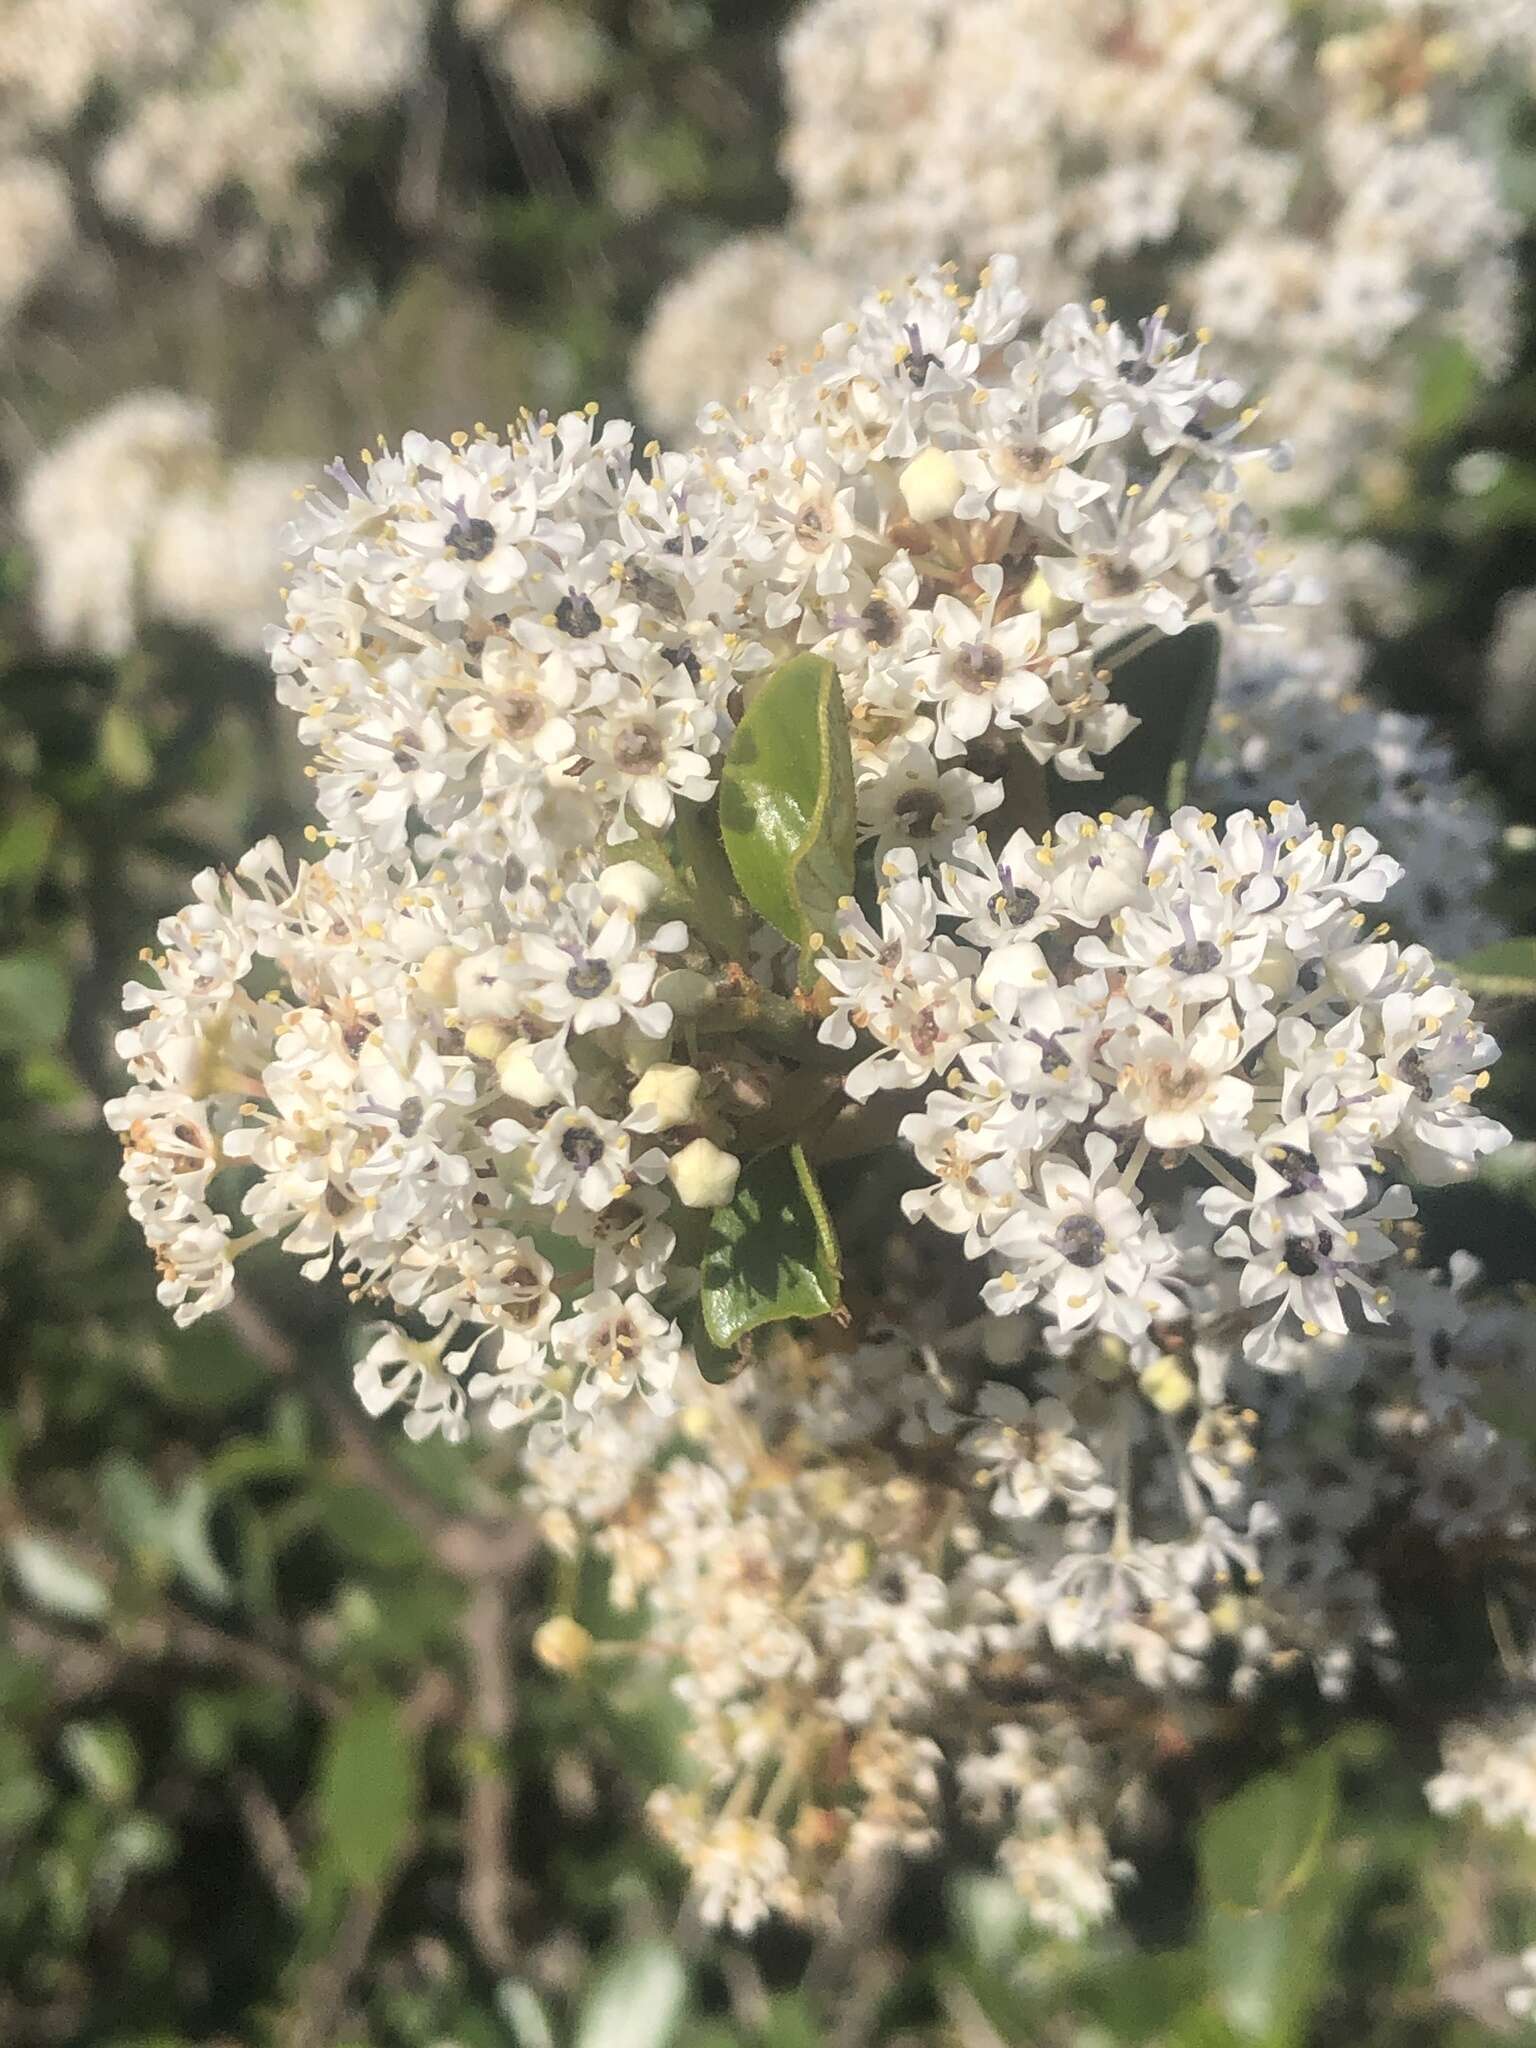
x: 1201, y: 998
x: 37, y: 228
x: 1292, y: 719
x: 554, y: 52
x: 1313, y: 183
x: 942, y: 1570
x: 138, y: 514
x: 514, y: 660
x: 405, y: 1106
x: 1488, y: 1768
x: 489, y: 1058
x: 541, y: 640
x: 179, y: 109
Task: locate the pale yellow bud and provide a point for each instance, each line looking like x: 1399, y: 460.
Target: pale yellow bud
x: 669, y: 1093
x: 931, y: 486
x: 485, y: 1040
x: 1167, y: 1385
x: 561, y: 1644
x: 523, y: 1080
x: 703, y: 1175
x: 629, y: 885
x: 436, y: 974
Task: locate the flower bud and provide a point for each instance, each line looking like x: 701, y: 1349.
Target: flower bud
x: 561, y: 1644
x: 437, y: 975
x: 685, y: 992
x: 931, y: 486
x: 486, y: 1040
x: 524, y: 1079
x: 703, y: 1175
x: 669, y: 1093
x: 1167, y: 1385
x: 630, y: 885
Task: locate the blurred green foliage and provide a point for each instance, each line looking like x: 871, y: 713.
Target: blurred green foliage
x: 276, y: 1762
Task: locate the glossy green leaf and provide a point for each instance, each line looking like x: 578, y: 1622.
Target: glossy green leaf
x: 1507, y: 968
x: 1272, y: 1892
x: 787, y: 803
x: 772, y: 1254
x: 1170, y: 686
x: 368, y: 1791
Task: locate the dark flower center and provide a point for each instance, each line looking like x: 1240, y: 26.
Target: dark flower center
x: 1411, y: 1068
x: 1305, y: 1256
x: 588, y: 978
x: 582, y: 1147
x: 1298, y: 1169
x: 682, y: 656
x: 471, y: 539
x: 577, y: 615
x: 1080, y: 1240
x: 1013, y: 905
x: 637, y: 748
x: 978, y: 667
x: 1195, y: 956
x: 919, y: 812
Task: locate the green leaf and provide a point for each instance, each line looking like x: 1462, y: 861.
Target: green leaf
x: 712, y: 904
x: 191, y: 1543
x: 1170, y: 686
x: 34, y: 1001
x: 772, y: 1253
x: 1448, y: 384
x: 53, y: 1581
x: 786, y: 800
x: 636, y: 2001
x: 1272, y: 1894
x: 103, y: 1758
x: 1507, y: 968
x: 369, y: 1787
x: 520, y: 2006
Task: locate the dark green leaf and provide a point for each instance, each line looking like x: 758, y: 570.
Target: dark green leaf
x: 1448, y: 384
x: 713, y: 907
x: 772, y: 1254
x: 787, y: 803
x: 1170, y: 686
x: 368, y: 1791
x: 1271, y: 1895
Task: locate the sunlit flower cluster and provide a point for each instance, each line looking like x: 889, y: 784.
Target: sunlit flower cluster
x: 1313, y: 183
x: 514, y: 660
x: 532, y: 642
x: 1204, y: 999
x: 501, y: 1052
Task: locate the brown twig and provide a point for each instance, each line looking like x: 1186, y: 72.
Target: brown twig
x: 487, y: 1888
